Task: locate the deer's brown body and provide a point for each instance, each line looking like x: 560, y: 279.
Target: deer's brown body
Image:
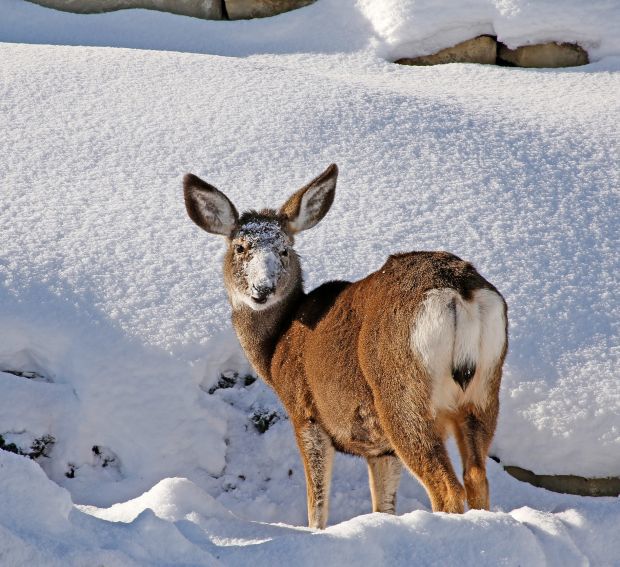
x: 383, y: 368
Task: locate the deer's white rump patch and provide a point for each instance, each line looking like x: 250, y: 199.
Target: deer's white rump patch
x: 450, y: 331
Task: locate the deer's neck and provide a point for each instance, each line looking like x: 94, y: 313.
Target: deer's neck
x: 260, y: 331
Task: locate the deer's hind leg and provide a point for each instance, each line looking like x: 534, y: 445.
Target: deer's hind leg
x: 384, y: 478
x: 403, y: 408
x: 402, y: 389
x: 473, y: 430
x: 317, y: 453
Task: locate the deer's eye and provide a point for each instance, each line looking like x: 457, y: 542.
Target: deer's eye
x: 239, y: 249
x: 285, y: 252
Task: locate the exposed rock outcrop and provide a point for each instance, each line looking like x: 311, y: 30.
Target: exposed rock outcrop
x: 245, y: 9
x: 481, y: 49
x: 568, y: 484
x: 544, y: 55
x: 207, y: 9
x: 487, y: 50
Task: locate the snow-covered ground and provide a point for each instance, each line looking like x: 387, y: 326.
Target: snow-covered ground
x: 178, y: 523
x: 115, y: 300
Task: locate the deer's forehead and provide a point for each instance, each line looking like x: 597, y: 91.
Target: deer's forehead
x: 263, y: 233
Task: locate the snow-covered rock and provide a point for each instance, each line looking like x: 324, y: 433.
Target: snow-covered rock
x: 409, y: 28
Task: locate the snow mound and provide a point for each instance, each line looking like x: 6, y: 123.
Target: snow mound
x: 104, y: 395
x: 23, y: 481
x: 409, y: 28
x: 171, y: 499
x: 176, y: 523
x: 40, y: 526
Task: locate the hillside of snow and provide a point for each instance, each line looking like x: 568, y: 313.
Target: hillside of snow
x: 178, y: 523
x: 115, y: 337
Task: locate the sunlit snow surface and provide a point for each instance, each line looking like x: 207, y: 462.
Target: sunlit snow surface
x: 178, y: 523
x: 113, y: 296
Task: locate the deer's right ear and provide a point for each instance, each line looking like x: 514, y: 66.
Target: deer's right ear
x: 208, y: 207
x: 310, y: 204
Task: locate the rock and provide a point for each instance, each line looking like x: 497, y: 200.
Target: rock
x: 568, y: 484
x: 206, y: 9
x: 245, y: 9
x: 544, y: 55
x: 481, y: 49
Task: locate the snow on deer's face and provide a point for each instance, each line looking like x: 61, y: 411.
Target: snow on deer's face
x: 261, y: 266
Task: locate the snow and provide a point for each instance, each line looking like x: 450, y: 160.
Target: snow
x: 394, y: 28
x: 408, y: 28
x: 176, y: 522
x: 115, y: 299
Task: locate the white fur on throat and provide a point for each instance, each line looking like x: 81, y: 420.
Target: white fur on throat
x: 448, y: 332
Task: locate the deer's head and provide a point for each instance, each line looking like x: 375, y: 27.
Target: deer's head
x: 261, y: 266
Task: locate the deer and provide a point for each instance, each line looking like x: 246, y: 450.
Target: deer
x: 385, y: 368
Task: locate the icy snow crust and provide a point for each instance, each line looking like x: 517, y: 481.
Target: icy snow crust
x: 115, y: 298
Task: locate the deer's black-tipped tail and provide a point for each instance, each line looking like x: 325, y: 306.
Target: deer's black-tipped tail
x: 463, y: 374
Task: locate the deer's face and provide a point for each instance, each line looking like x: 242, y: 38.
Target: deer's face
x: 261, y: 266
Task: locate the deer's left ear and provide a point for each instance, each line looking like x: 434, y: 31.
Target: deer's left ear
x: 310, y: 204
x: 208, y: 207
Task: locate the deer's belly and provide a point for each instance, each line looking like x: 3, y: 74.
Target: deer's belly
x: 353, y: 425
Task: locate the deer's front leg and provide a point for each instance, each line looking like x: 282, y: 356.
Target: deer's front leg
x: 384, y: 477
x: 317, y: 454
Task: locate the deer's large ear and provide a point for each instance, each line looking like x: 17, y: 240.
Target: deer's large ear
x: 310, y: 204
x: 208, y: 207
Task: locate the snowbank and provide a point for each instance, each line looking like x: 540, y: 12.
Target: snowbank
x: 411, y: 28
x: 98, y: 254
x: 105, y: 397
x: 40, y: 526
x: 177, y: 523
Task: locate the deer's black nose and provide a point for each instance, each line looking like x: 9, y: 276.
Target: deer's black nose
x: 261, y: 293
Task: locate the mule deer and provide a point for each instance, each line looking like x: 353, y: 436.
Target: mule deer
x: 383, y: 368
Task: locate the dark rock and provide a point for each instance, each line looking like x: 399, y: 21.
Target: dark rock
x: 481, y: 49
x: 246, y: 9
x: 551, y: 55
